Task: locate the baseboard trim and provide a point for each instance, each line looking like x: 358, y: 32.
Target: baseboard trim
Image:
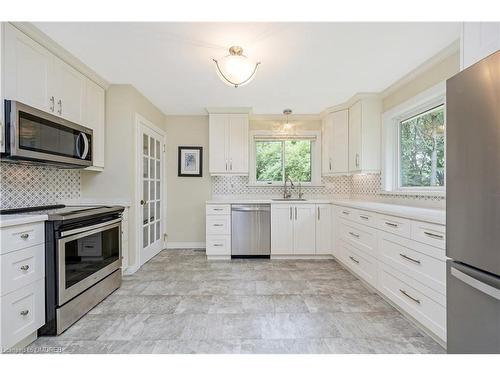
x: 305, y: 257
x: 130, y: 270
x: 185, y: 245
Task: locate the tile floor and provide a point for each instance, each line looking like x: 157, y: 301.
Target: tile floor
x: 180, y: 303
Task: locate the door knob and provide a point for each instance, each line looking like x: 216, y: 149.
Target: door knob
x: 143, y: 202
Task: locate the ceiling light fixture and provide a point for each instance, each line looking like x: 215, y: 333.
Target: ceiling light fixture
x: 236, y: 69
x: 287, y: 126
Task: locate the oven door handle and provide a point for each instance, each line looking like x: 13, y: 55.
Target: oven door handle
x: 89, y: 228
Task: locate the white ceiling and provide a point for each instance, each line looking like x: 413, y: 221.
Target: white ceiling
x: 305, y: 66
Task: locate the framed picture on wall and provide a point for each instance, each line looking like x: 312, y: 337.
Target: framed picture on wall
x: 190, y: 161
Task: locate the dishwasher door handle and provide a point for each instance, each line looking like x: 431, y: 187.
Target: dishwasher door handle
x: 256, y: 209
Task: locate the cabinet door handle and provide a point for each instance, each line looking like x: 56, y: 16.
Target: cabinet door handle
x: 25, y: 236
x: 346, y: 212
x: 226, y: 164
x: 24, y: 312
x: 357, y: 160
x: 408, y: 296
x: 60, y: 106
x: 25, y: 267
x: 230, y: 164
x: 218, y: 244
x: 295, y: 213
x: 291, y: 214
x: 52, y: 103
x: 354, y: 234
x: 389, y: 224
x: 330, y: 163
x: 364, y: 217
x: 354, y: 260
x: 410, y: 259
x: 218, y: 209
x: 217, y: 225
x: 434, y: 235
x: 319, y: 214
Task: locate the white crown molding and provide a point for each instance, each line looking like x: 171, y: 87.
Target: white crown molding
x: 280, y: 117
x: 236, y: 110
x: 356, y: 97
x: 43, y: 39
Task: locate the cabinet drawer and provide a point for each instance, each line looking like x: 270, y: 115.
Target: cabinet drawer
x: 218, y: 209
x: 360, y: 236
x: 403, y: 255
x: 365, y: 217
x: 394, y: 224
x: 219, y: 224
x: 20, y: 268
x: 431, y: 234
x: 218, y: 245
x: 21, y: 236
x: 423, y: 304
x: 23, y: 312
x: 363, y: 265
x: 345, y: 212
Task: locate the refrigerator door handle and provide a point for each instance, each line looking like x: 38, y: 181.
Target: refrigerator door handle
x: 476, y: 284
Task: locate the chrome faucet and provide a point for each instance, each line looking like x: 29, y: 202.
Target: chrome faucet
x: 286, y: 193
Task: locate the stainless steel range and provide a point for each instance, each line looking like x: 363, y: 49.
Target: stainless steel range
x: 82, y: 260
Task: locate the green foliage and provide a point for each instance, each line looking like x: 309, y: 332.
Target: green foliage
x: 421, y: 150
x: 292, y: 157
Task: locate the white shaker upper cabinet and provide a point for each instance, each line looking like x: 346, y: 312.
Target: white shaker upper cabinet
x: 28, y: 71
x: 228, y: 144
x: 479, y: 39
x: 2, y: 96
x: 69, y: 92
x: 364, y: 135
x: 94, y: 113
x: 335, y: 143
x: 327, y: 145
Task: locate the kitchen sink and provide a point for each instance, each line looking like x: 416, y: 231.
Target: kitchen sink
x: 289, y: 199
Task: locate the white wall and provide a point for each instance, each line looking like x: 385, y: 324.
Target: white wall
x: 118, y: 180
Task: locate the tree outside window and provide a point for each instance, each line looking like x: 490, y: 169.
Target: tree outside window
x: 421, y: 149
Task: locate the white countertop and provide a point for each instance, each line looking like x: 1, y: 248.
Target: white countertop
x: 18, y: 219
x: 431, y: 215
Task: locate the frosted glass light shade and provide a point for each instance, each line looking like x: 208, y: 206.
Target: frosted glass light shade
x: 236, y: 69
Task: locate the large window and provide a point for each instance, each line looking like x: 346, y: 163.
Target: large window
x: 413, y: 144
x: 278, y: 160
x: 276, y: 157
x: 421, y: 149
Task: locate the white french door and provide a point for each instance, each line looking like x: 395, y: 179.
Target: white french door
x: 151, y: 190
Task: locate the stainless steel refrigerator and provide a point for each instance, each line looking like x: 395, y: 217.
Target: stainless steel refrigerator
x: 473, y: 208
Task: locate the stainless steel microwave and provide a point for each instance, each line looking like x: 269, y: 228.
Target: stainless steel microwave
x: 35, y: 136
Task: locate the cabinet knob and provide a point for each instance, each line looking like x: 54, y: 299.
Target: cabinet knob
x: 25, y: 267
x: 25, y: 236
x: 24, y: 312
x: 143, y: 202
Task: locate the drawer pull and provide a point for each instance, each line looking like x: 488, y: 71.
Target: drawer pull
x: 346, y: 212
x: 25, y: 267
x: 218, y: 244
x: 354, y: 234
x: 354, y: 260
x: 434, y: 235
x: 391, y: 224
x: 218, y: 209
x: 25, y: 236
x: 364, y: 217
x: 410, y: 297
x: 410, y: 259
x: 218, y: 225
x: 24, y: 312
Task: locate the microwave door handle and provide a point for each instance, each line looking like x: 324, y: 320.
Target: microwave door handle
x: 78, y: 146
x: 85, y: 145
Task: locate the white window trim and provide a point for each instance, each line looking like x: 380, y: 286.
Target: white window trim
x: 422, y: 102
x: 315, y: 155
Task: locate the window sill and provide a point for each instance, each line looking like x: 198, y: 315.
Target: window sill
x: 428, y: 193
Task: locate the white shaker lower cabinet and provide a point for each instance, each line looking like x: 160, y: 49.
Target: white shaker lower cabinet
x: 301, y: 229
x: 218, y: 231
x: 402, y: 258
x: 22, y: 283
x: 324, y: 229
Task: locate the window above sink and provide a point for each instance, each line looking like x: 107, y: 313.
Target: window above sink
x: 275, y: 157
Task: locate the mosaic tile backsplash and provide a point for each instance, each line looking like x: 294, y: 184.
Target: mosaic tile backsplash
x: 363, y: 187
x: 24, y: 185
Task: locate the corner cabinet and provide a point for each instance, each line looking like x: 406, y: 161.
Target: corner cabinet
x: 364, y: 135
x: 335, y: 142
x: 35, y: 76
x: 228, y: 144
x: 479, y: 39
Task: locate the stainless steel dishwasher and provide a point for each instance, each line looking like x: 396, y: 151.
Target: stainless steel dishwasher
x: 250, y: 230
